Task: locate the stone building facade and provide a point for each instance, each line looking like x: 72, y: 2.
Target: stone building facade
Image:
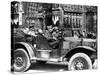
x: 75, y: 17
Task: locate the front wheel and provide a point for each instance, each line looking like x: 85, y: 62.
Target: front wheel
x: 79, y: 61
x: 21, y: 60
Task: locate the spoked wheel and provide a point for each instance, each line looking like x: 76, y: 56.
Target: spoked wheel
x: 80, y: 61
x: 21, y: 60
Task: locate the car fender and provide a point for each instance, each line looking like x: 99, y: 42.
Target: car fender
x: 29, y: 48
x: 84, y: 49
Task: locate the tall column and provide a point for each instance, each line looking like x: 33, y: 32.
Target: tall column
x: 84, y: 21
x: 61, y: 16
x: 95, y: 23
x: 20, y: 11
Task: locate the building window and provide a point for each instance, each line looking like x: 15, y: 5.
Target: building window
x: 72, y: 20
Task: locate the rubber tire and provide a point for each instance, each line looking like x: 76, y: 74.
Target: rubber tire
x: 77, y: 55
x: 26, y: 60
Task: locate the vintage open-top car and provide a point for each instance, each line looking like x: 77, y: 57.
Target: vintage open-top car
x: 77, y: 53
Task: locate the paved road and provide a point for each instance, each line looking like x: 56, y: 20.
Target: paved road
x: 48, y: 67
x: 51, y: 67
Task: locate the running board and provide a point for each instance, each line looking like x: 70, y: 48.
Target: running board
x: 47, y: 59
